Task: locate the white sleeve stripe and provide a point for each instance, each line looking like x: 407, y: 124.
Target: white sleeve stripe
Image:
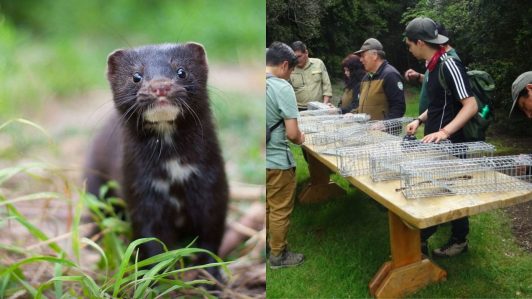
x: 461, y: 84
x: 457, y: 78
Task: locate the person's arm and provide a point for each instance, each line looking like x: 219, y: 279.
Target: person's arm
x: 469, y: 108
x: 412, y: 75
x: 457, y: 80
x: 325, y: 84
x: 412, y: 127
x: 394, y: 90
x: 292, y: 131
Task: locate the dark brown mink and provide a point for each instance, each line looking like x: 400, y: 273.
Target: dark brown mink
x: 161, y: 146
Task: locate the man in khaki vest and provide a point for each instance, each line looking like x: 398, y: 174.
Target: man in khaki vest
x: 381, y: 91
x: 310, y: 78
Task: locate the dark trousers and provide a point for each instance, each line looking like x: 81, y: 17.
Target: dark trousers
x: 460, y: 229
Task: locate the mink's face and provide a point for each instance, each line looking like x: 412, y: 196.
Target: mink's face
x: 156, y: 86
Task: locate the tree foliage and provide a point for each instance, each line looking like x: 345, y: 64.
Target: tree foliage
x: 334, y: 28
x: 490, y: 35
x: 494, y: 36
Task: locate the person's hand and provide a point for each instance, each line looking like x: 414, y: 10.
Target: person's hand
x: 302, y: 138
x: 410, y: 75
x: 330, y: 105
x: 326, y: 99
x: 435, y: 137
x: 378, y: 126
x: 411, y: 128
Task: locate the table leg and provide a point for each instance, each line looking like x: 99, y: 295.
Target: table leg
x: 320, y: 187
x: 407, y: 272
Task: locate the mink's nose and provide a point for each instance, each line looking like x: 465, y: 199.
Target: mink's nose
x: 160, y: 88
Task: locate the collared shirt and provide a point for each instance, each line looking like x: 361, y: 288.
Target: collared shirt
x: 381, y: 94
x: 280, y: 104
x: 444, y: 107
x: 311, y: 82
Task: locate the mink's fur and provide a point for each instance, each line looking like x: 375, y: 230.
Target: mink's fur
x: 171, y: 173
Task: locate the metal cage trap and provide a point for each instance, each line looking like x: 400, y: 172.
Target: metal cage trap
x: 354, y: 160
x: 420, y: 179
x: 330, y: 123
x: 329, y: 111
x: 357, y: 135
x: 385, y: 161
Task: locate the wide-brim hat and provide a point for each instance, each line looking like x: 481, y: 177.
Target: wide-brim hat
x: 425, y: 29
x: 518, y: 85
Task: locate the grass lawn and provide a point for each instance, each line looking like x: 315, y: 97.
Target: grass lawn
x: 346, y: 240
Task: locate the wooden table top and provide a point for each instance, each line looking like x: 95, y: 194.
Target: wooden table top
x: 425, y: 212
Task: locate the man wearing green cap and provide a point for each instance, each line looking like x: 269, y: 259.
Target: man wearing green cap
x: 381, y: 90
x: 447, y: 112
x: 522, y: 93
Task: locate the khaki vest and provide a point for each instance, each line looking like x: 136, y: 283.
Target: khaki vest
x: 373, y: 100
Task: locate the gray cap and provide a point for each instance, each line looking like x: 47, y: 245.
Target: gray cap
x: 425, y: 29
x: 370, y: 44
x: 518, y: 85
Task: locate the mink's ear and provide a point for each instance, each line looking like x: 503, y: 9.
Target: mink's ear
x: 113, y: 62
x: 198, y: 52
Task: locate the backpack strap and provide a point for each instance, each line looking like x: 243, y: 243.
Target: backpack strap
x: 441, y: 75
x: 277, y: 124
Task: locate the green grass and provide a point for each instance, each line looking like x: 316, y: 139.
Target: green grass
x: 63, y: 52
x: 346, y: 240
x: 120, y: 273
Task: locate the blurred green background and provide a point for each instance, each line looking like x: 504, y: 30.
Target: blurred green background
x: 56, y: 50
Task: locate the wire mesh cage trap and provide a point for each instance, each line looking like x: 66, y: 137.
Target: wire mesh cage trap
x: 386, y: 160
x: 354, y: 160
x: 421, y: 179
x: 329, y: 111
x: 314, y: 105
x: 357, y: 135
x: 330, y: 123
x: 394, y: 126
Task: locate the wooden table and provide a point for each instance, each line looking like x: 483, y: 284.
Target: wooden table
x: 407, y: 271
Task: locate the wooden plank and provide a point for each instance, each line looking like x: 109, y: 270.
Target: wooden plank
x: 408, y: 279
x: 379, y: 277
x: 405, y: 242
x: 426, y: 212
x: 320, y: 187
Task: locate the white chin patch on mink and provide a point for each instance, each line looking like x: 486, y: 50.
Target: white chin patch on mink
x: 164, y: 113
x: 160, y: 118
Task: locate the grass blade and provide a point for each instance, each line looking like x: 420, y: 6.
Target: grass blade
x: 34, y: 196
x: 41, y: 258
x: 92, y: 244
x: 58, y: 285
x: 32, y: 229
x: 126, y: 259
x: 75, y: 229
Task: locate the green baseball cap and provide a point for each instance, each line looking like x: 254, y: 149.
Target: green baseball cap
x: 425, y: 29
x: 370, y: 44
x: 518, y: 85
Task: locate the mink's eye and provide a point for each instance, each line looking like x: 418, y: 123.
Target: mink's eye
x: 181, y: 73
x: 137, y: 77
